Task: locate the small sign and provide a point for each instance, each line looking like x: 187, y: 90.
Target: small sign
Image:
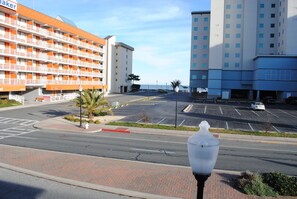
x: 9, y: 4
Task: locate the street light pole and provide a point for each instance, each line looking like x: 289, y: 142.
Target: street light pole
x: 80, y: 104
x: 176, y: 89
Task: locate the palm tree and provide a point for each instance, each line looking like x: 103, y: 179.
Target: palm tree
x: 175, y: 83
x: 93, y: 102
x: 133, y: 78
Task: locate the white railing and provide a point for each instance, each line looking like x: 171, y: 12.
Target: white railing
x: 12, y: 81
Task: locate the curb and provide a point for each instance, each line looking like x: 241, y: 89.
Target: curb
x: 85, y: 184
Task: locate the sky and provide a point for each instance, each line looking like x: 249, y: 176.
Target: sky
x: 158, y: 30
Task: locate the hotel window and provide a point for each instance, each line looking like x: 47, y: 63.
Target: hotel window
x: 260, y: 45
x: 238, y: 35
x: 204, y: 65
x: 271, y: 45
x: 195, y: 19
x: 195, y: 28
x: 206, y: 19
x: 203, y: 77
x: 237, y: 65
x: 194, y: 56
x: 194, y: 65
x: 262, y: 5
x: 272, y: 15
x: 205, y: 47
x: 238, y: 25
x: 227, y: 25
x: 262, y: 15
x: 239, y: 6
x: 205, y: 28
x: 227, y: 35
x: 205, y: 37
x: 261, y: 25
x: 272, y: 35
x: 195, y: 37
x: 237, y: 55
x: 226, y: 64
x: 228, y: 6
x: 273, y: 5
x: 272, y: 25
x: 194, y: 76
x: 237, y: 45
x: 226, y: 55
x: 204, y: 56
x: 238, y: 16
x: 261, y: 35
x: 195, y: 47
x: 227, y: 45
x: 228, y: 16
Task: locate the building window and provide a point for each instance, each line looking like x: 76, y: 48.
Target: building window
x: 238, y: 35
x: 262, y: 15
x: 271, y: 45
x: 195, y: 47
x: 204, y: 56
x: 205, y: 47
x: 261, y: 35
x: 194, y: 65
x: 272, y: 15
x: 226, y: 55
x: 195, y: 19
x: 238, y: 16
x: 206, y: 19
x: 237, y: 45
x: 203, y: 77
x: 194, y: 56
x: 195, y: 37
x: 227, y: 35
x: 228, y: 6
x: 272, y: 25
x: 195, y: 28
x: 272, y: 35
x: 261, y: 25
x: 238, y: 25
x: 204, y: 65
x: 205, y: 28
x: 260, y: 45
x: 239, y: 6
x: 237, y: 65
x: 273, y: 5
x: 194, y: 76
x: 237, y: 55
x: 228, y: 16
x: 262, y: 5
x: 227, y: 45
x: 226, y: 64
x: 205, y: 37
x: 227, y: 25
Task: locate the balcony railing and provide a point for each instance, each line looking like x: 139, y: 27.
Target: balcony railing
x: 12, y: 81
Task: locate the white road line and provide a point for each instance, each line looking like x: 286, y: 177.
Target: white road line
x: 288, y: 113
x: 256, y: 113
x: 161, y: 120
x: 205, y: 109
x: 272, y: 114
x: 276, y: 129
x: 237, y: 111
x: 139, y: 120
x: 15, y: 135
x: 227, y: 126
x: 12, y: 130
x: 251, y: 127
x: 152, y: 151
x: 182, y: 123
x: 260, y: 149
x: 221, y: 110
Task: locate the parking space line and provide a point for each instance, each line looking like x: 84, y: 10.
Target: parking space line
x: 205, y: 109
x: 237, y: 111
x: 161, y: 120
x: 251, y: 127
x: 256, y: 113
x: 221, y: 110
x: 288, y: 113
x: 272, y: 114
x: 276, y: 129
x: 227, y: 126
x: 182, y: 123
x: 139, y: 120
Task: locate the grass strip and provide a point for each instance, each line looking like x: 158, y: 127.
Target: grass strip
x: 213, y: 130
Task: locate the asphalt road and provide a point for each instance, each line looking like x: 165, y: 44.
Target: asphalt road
x: 19, y: 185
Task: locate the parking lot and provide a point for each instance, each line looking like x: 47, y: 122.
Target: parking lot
x: 161, y: 110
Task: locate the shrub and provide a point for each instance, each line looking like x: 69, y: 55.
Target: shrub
x: 252, y: 184
x: 283, y: 184
x: 99, y: 113
x: 97, y: 122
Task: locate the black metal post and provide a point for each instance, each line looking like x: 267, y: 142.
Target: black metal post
x: 200, y: 184
x: 80, y: 103
x: 176, y: 110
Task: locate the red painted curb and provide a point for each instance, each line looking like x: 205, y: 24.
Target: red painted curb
x: 119, y: 130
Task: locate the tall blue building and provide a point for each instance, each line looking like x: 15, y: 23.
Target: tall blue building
x: 245, y: 49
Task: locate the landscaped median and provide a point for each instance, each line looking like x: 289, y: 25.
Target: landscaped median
x: 213, y: 130
x: 8, y: 103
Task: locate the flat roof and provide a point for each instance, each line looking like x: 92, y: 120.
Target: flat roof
x: 124, y: 45
x: 200, y: 12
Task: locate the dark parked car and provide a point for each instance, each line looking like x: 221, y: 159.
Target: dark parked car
x: 268, y: 100
x: 291, y: 100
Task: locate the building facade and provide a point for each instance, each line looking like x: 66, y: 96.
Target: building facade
x: 44, y: 56
x: 251, y: 49
x: 119, y: 65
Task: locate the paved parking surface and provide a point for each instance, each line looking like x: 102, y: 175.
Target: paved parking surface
x: 276, y: 117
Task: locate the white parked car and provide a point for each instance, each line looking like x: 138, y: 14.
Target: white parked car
x: 258, y: 106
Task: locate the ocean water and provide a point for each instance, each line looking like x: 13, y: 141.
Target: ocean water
x: 156, y: 87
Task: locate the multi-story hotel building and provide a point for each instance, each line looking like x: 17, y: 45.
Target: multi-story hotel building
x: 41, y: 55
x: 245, y: 49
